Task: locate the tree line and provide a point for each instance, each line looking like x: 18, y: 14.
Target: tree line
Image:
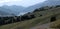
x: 13, y: 19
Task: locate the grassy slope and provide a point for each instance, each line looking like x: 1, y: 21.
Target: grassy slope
x: 55, y: 24
x: 30, y: 23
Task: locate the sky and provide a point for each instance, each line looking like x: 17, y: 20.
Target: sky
x: 24, y: 3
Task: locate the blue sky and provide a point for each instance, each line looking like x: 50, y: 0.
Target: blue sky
x: 24, y: 3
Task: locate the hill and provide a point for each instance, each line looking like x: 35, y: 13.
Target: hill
x: 39, y: 16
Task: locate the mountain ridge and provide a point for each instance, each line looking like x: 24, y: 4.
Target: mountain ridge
x: 39, y: 5
x: 15, y: 9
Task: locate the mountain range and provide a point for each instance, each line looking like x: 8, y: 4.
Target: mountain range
x: 18, y: 10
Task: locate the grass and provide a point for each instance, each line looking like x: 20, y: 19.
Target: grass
x: 55, y: 24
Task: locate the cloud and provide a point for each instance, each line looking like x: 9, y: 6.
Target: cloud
x: 2, y: 1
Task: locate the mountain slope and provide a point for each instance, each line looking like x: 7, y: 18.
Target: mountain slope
x: 3, y: 12
x: 45, y: 18
x: 14, y: 9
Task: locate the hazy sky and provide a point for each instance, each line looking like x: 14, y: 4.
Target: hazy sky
x: 24, y: 3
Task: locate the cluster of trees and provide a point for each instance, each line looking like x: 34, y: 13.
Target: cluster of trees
x: 57, y: 5
x: 12, y: 19
x: 27, y: 17
x: 42, y: 9
x: 46, y: 8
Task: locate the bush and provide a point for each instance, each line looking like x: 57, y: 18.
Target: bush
x: 57, y: 5
x: 53, y: 19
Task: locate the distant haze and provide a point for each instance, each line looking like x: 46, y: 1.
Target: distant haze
x: 24, y: 3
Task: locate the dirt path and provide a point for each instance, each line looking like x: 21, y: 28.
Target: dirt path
x: 44, y: 26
